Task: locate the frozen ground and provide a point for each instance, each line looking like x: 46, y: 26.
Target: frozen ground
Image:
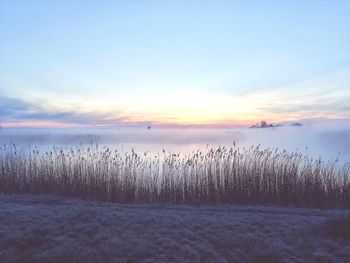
x: 56, y: 229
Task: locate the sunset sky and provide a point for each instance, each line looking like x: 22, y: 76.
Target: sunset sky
x: 110, y: 63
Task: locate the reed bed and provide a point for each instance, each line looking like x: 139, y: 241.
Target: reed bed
x: 222, y: 175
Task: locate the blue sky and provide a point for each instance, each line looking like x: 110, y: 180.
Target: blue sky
x: 173, y: 62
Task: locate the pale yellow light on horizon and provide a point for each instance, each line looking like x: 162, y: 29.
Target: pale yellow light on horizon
x: 181, y: 108
x: 186, y: 108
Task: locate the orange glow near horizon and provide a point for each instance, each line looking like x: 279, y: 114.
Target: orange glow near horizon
x: 39, y: 124
x: 188, y: 108
x: 49, y: 124
x: 159, y: 123
x: 181, y: 109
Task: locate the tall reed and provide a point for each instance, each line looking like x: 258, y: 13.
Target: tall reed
x: 222, y: 175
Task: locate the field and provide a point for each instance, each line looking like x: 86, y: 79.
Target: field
x: 219, y: 205
x: 214, y: 176
x: 57, y: 229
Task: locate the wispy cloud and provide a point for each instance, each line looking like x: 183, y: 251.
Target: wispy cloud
x: 340, y: 106
x: 14, y: 110
x: 320, y: 97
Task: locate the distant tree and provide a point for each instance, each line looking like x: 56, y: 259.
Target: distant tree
x: 263, y: 124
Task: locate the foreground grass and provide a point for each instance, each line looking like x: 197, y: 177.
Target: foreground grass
x: 338, y: 227
x: 243, y: 176
x: 55, y: 229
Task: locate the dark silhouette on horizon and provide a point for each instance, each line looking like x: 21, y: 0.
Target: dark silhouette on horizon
x: 264, y: 124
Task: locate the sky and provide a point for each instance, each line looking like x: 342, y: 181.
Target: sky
x: 218, y: 63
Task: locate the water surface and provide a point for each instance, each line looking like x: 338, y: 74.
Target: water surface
x: 326, y: 141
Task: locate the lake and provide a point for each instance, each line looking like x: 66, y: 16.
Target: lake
x: 317, y: 140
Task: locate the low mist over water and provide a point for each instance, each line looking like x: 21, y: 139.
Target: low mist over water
x: 325, y: 141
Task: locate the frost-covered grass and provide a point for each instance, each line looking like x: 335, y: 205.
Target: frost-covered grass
x: 56, y: 229
x: 221, y: 176
x: 339, y: 227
